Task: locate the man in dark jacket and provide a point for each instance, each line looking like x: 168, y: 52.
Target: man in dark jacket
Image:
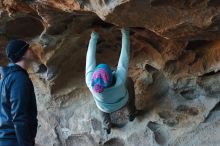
x: 18, y: 110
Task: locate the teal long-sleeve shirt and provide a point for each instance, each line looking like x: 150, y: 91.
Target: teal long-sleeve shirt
x: 114, y: 97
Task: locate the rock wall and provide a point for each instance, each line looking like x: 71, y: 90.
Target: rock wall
x: 175, y: 63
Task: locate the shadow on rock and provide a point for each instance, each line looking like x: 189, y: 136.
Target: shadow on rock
x: 151, y: 93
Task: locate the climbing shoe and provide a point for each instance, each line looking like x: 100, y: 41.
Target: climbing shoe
x: 132, y: 116
x: 108, y: 130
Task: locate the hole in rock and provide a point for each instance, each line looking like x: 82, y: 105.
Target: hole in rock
x: 193, y: 45
x: 211, y: 112
x: 153, y: 126
x: 217, y: 107
x: 24, y: 27
x: 189, y: 94
x: 41, y: 68
x: 210, y: 73
x: 150, y: 68
x: 160, y: 134
x: 215, y: 24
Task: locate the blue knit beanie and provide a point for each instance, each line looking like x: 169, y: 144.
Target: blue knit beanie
x: 16, y: 49
x: 101, y: 78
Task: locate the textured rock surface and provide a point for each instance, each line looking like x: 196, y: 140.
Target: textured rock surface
x: 175, y: 63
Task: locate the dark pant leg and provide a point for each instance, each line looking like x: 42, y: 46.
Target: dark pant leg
x: 8, y: 142
x: 131, y: 92
x: 106, y: 120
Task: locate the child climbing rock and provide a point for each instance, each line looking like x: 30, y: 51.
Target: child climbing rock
x: 111, y: 90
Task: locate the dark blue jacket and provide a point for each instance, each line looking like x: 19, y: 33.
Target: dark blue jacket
x: 18, y: 110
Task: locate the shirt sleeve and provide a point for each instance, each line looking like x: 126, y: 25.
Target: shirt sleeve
x: 20, y: 99
x: 90, y: 57
x: 122, y: 68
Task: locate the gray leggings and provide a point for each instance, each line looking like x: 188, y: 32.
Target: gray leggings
x: 130, y: 104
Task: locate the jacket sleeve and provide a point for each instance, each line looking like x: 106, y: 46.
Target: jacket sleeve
x: 20, y: 98
x: 122, y: 68
x: 90, y: 57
